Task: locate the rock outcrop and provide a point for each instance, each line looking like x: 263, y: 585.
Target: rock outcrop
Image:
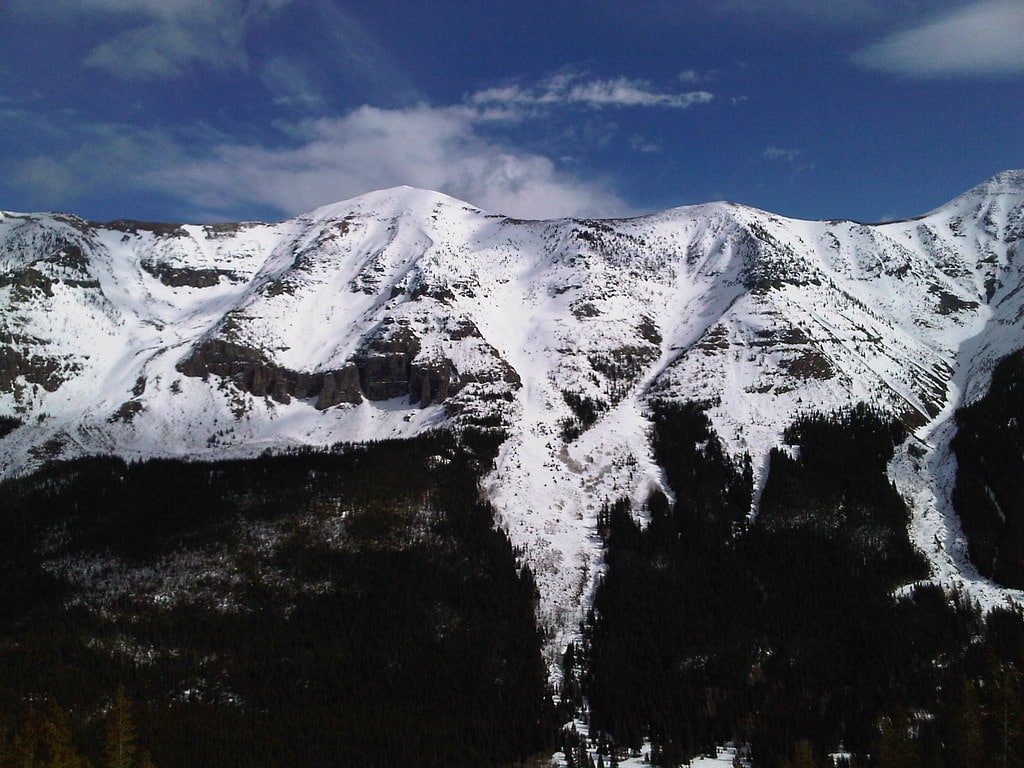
x: 251, y: 371
x: 387, y: 368
x: 391, y: 365
x: 34, y: 369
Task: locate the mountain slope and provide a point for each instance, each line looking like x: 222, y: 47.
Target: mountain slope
x: 401, y: 310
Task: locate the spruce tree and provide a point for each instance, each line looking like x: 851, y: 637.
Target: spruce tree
x: 58, y: 750
x: 803, y: 757
x: 26, y: 742
x: 967, y: 743
x: 5, y: 739
x: 896, y: 748
x: 120, y: 733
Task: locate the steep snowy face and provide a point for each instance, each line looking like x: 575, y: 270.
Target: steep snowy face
x: 405, y: 309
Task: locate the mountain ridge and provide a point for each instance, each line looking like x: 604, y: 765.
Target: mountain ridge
x: 403, y: 310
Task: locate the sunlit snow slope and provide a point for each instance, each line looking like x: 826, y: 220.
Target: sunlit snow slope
x: 404, y: 309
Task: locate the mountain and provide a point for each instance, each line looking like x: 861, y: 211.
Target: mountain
x: 776, y: 431
x: 402, y: 310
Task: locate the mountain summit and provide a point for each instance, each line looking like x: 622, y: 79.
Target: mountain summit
x: 399, y: 311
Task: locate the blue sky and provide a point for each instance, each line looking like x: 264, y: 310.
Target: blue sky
x: 205, y: 110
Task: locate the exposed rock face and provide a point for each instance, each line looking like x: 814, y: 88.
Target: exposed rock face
x: 27, y: 283
x: 159, y: 229
x: 340, y: 386
x: 44, y: 371
x: 383, y: 376
x: 386, y: 370
x: 389, y: 368
x: 430, y: 382
x: 178, y: 277
x: 249, y: 370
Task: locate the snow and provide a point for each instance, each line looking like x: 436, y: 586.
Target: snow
x: 726, y: 755
x: 759, y: 316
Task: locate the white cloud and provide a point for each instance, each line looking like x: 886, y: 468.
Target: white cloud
x: 452, y: 149
x: 371, y: 148
x: 573, y: 89
x: 633, y: 93
x: 985, y: 38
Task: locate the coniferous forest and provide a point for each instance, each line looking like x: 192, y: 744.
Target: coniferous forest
x: 790, y: 634
x: 360, y: 607
x: 348, y: 608
x: 989, y: 493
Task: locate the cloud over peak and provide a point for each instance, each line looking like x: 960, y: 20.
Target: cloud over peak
x: 372, y: 148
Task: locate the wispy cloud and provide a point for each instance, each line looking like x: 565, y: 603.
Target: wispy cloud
x: 644, y: 146
x: 982, y: 39
x: 46, y: 180
x: 574, y: 89
x: 694, y: 76
x: 104, y: 158
x: 831, y: 13
x: 777, y: 153
x: 349, y: 53
x: 172, y: 38
x: 288, y: 79
x: 158, y: 39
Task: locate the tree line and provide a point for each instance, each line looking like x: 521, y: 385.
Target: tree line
x: 48, y: 737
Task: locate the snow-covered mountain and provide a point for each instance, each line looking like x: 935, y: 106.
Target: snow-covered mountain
x: 404, y: 309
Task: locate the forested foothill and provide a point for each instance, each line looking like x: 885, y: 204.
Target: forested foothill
x: 790, y: 633
x: 349, y: 607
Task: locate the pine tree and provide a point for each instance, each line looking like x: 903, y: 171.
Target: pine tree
x: 5, y: 739
x: 967, y: 745
x: 58, y: 751
x: 120, y: 733
x: 896, y: 748
x: 25, y: 745
x: 1005, y: 712
x: 803, y: 757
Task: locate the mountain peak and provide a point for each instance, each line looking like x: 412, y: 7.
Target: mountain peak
x: 1009, y: 181
x: 394, y: 201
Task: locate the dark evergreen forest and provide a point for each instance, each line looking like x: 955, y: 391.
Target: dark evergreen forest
x: 989, y: 493
x: 789, y: 633
x: 361, y: 609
